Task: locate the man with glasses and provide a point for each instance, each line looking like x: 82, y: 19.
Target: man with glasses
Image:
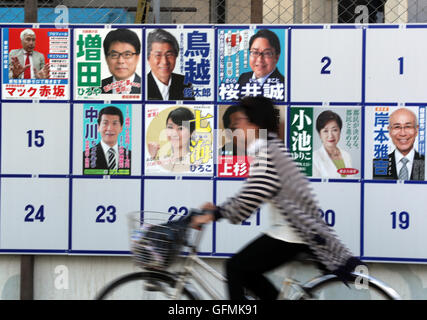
x: 264, y: 79
x: 122, y: 49
x: 162, y: 83
x: 404, y: 163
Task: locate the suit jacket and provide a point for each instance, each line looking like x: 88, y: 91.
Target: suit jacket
x: 176, y: 90
x: 134, y: 90
x: 100, y: 160
x: 247, y: 76
x: 38, y: 61
x: 417, y: 172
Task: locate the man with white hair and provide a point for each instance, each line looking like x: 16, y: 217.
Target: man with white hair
x: 404, y: 163
x: 26, y: 63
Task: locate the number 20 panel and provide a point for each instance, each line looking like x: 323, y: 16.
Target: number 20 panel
x: 47, y: 204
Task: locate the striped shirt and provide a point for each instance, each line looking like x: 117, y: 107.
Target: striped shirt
x: 274, y: 177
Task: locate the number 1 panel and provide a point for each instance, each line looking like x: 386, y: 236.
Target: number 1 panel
x: 396, y: 65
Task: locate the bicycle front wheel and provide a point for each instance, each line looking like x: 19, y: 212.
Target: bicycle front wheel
x: 361, y: 287
x: 144, y: 286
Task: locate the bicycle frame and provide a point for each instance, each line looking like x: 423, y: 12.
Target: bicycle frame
x: 190, y: 272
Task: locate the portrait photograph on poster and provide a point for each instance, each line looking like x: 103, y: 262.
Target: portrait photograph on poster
x: 107, y: 64
x: 395, y: 143
x: 107, y: 139
x: 251, y: 62
x: 326, y: 141
x: 178, y: 140
x: 36, y: 63
x: 180, y: 64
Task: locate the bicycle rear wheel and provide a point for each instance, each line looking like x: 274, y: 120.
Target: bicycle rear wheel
x: 361, y: 287
x: 143, y: 286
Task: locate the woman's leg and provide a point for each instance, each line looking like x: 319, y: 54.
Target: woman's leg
x: 246, y: 268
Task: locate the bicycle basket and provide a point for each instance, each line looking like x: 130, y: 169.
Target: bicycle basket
x: 155, y: 241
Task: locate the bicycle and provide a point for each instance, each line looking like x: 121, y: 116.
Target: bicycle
x: 157, y: 240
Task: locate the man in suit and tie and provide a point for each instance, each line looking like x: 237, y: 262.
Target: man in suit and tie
x: 162, y: 83
x: 404, y: 163
x: 108, y: 154
x: 122, y: 49
x: 264, y: 53
x: 25, y: 63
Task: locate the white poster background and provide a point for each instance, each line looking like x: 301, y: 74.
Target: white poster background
x: 335, y: 52
x: 32, y: 142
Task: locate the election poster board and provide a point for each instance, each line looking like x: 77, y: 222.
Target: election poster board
x: 326, y: 142
x: 107, y: 139
x: 179, y: 139
x: 243, y: 53
x: 106, y: 68
x: 182, y: 58
x: 43, y: 73
x: 146, y: 125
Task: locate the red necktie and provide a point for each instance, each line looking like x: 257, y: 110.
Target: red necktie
x: 27, y: 72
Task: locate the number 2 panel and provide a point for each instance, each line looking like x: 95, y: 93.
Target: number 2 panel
x: 326, y: 65
x: 395, y: 220
x: 99, y: 221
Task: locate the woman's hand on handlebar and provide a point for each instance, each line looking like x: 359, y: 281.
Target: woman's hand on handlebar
x: 199, y: 220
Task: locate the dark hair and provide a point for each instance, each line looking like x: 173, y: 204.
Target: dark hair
x: 272, y: 38
x: 180, y: 115
x: 162, y: 36
x: 227, y: 114
x: 111, y: 110
x: 261, y: 112
x: 325, y: 117
x: 122, y: 35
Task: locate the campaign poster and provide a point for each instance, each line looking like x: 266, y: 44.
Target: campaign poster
x: 326, y: 141
x: 180, y: 64
x: 395, y: 142
x: 107, y: 134
x: 233, y: 159
x: 108, y: 64
x: 251, y: 62
x: 36, y: 63
x: 178, y: 140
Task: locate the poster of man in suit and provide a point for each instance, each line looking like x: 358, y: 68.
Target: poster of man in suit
x: 107, y: 64
x: 36, y: 63
x: 179, y: 64
x: 107, y: 139
x: 251, y: 62
x: 399, y: 143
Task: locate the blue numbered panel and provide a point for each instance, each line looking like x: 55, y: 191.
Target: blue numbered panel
x: 394, y: 221
x: 395, y: 65
x: 175, y: 198
x: 36, y: 219
x: 32, y: 142
x: 100, y: 208
x: 321, y: 70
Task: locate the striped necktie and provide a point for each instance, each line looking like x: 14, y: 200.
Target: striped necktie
x: 111, y: 159
x: 403, y: 173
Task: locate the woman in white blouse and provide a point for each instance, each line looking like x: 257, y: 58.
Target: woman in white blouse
x: 329, y: 159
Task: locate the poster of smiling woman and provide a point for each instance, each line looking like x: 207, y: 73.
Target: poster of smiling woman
x: 108, y: 64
